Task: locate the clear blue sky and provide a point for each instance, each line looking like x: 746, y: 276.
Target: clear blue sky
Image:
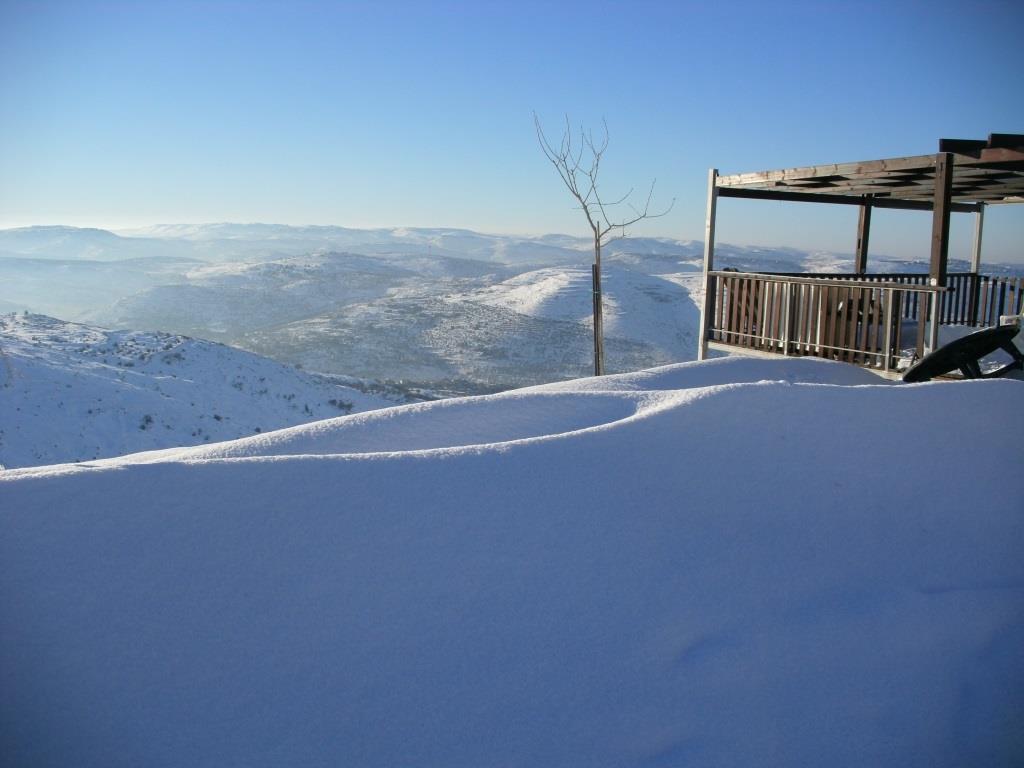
x: 420, y: 113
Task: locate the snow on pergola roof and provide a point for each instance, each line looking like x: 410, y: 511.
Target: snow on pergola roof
x: 984, y: 172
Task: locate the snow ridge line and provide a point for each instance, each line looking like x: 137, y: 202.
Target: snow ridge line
x: 645, y: 405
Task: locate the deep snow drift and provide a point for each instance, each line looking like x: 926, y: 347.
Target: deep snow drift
x: 704, y: 565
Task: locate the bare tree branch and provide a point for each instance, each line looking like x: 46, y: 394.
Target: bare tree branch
x: 581, y: 179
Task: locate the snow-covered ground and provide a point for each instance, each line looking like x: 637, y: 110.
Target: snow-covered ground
x: 71, y: 392
x: 738, y: 562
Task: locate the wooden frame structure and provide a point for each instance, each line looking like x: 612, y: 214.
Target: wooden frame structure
x: 858, y: 317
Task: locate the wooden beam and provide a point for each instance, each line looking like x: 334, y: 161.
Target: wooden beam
x: 983, y: 172
x: 816, y: 197
x: 940, y: 218
x: 866, y: 167
x: 974, y: 284
x: 813, y: 278
x: 962, y: 146
x: 909, y: 189
x: 1002, y: 153
x: 965, y: 181
x: 857, y: 187
x: 989, y: 184
x: 860, y: 262
x: 972, y: 146
x: 979, y: 226
x: 1008, y: 140
x: 940, y: 242
x: 708, y: 307
x: 996, y: 155
x: 880, y: 177
x: 963, y: 188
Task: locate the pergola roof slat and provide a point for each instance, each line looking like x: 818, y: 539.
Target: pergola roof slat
x: 869, y: 168
x: 1005, y: 140
x: 841, y: 199
x: 983, y: 171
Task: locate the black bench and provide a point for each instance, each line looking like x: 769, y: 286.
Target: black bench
x: 965, y: 354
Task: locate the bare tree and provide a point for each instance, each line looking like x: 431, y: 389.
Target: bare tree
x: 578, y: 162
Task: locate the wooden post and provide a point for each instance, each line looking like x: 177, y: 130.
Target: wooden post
x: 979, y: 225
x: 940, y: 218
x: 922, y: 325
x: 890, y: 304
x: 940, y: 239
x: 787, y: 316
x: 860, y: 264
x: 975, y: 282
x: 708, y: 309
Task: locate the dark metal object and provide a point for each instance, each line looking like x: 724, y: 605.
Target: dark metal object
x: 965, y: 354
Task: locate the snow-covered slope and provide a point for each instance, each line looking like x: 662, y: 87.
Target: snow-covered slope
x: 227, y: 300
x: 647, y: 309
x: 72, y: 392
x: 458, y: 337
x: 425, y: 319
x: 659, y: 569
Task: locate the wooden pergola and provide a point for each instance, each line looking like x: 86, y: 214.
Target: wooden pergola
x: 852, y: 316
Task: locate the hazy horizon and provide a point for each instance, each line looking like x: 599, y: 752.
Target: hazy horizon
x: 960, y: 240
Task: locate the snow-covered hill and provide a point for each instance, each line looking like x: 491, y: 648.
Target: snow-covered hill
x: 72, y: 392
x: 733, y: 563
x: 647, y: 309
x: 227, y: 300
x: 473, y: 336
x: 455, y: 324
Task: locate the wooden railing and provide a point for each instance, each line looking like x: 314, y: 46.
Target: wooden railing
x: 995, y: 296
x: 969, y: 299
x: 836, y: 317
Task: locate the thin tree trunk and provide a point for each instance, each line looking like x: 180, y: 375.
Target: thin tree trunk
x: 598, y: 314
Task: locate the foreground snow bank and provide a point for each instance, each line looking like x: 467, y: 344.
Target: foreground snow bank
x: 664, y: 568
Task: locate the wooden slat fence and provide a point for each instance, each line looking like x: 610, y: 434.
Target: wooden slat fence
x: 857, y: 321
x: 969, y: 299
x: 995, y: 296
